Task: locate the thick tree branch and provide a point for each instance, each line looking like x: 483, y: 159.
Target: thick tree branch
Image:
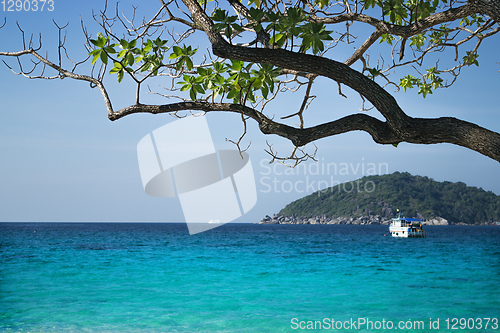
x: 379, y: 130
x: 455, y: 131
x: 487, y: 7
x: 339, y: 72
x: 419, y: 130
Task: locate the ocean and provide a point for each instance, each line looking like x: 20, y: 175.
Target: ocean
x: 155, y: 277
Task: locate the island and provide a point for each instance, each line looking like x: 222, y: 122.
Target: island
x: 376, y: 199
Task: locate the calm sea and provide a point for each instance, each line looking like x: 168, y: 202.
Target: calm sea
x: 124, y: 277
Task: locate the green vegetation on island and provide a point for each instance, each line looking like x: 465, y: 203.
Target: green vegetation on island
x: 415, y: 196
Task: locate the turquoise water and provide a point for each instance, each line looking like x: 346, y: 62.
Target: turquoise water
x: 107, y: 277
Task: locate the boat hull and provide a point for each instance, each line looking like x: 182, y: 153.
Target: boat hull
x: 406, y: 233
x: 406, y: 228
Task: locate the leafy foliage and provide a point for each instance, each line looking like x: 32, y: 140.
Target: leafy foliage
x: 238, y: 80
x: 455, y: 202
x: 149, y: 57
x: 226, y: 23
x: 287, y: 27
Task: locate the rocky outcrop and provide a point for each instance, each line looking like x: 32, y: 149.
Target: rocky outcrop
x: 362, y: 220
x: 437, y: 221
x: 386, y: 211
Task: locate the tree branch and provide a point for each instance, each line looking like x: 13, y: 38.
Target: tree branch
x: 407, y: 30
x: 362, y: 49
x: 419, y: 130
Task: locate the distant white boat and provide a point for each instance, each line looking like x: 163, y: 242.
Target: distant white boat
x: 406, y: 227
x: 214, y: 221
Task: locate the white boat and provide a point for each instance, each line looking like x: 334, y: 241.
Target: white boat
x: 214, y: 222
x: 406, y: 227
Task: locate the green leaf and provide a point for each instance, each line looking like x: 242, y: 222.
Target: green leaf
x: 101, y: 41
x: 228, y: 32
x: 265, y: 91
x: 256, y: 14
x: 236, y: 65
x: 199, y: 88
x: 387, y: 38
x: 192, y: 94
x: 178, y: 65
x: 96, y: 56
x: 231, y: 94
x: 276, y: 38
x: 313, y: 35
x: 148, y: 46
x: 322, y: 3
x: 122, y: 53
x: 145, y: 67
x: 219, y: 27
x: 120, y: 76
x: 471, y: 58
x: 202, y: 71
x: 177, y: 52
x: 118, y: 67
x: 200, y: 79
x: 104, y: 58
x: 219, y: 15
x: 130, y: 59
x: 437, y: 82
x: 418, y: 41
x: 220, y: 79
x: 110, y: 49
x: 189, y: 63
x: 425, y: 89
x: 219, y: 67
x: 374, y: 72
x: 257, y: 83
x: 408, y: 82
x: 238, y: 28
x: 124, y: 44
x: 294, y: 14
x: 250, y: 97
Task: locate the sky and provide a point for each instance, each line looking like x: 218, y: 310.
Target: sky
x: 63, y: 160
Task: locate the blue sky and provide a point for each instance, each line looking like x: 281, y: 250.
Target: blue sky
x: 63, y: 160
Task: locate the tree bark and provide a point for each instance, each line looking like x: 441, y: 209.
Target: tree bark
x: 487, y: 7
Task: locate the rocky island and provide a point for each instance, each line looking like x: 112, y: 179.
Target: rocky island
x: 436, y: 203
